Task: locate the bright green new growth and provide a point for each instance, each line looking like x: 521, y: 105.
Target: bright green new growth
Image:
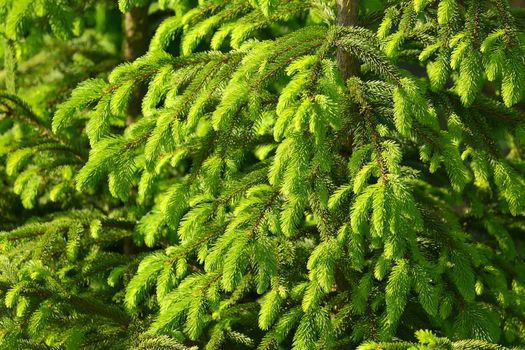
x: 259, y: 199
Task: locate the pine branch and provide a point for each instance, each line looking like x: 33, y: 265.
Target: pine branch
x: 29, y: 117
x: 86, y: 305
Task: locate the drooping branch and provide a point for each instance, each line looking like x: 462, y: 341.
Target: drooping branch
x: 347, y: 11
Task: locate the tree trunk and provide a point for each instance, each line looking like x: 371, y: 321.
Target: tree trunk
x: 135, y: 25
x: 135, y: 28
x: 347, y: 11
x: 348, y: 65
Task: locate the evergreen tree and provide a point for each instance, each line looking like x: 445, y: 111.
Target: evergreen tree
x: 270, y: 174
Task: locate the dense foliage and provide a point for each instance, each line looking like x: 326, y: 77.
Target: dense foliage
x: 270, y: 174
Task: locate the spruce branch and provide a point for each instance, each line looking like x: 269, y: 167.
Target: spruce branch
x: 16, y: 104
x: 83, y: 304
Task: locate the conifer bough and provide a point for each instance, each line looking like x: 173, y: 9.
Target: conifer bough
x: 270, y: 174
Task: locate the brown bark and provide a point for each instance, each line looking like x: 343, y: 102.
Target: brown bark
x: 135, y: 30
x: 347, y: 11
x: 348, y: 65
x: 135, y: 27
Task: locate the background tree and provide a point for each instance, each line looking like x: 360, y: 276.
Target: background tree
x: 277, y: 174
